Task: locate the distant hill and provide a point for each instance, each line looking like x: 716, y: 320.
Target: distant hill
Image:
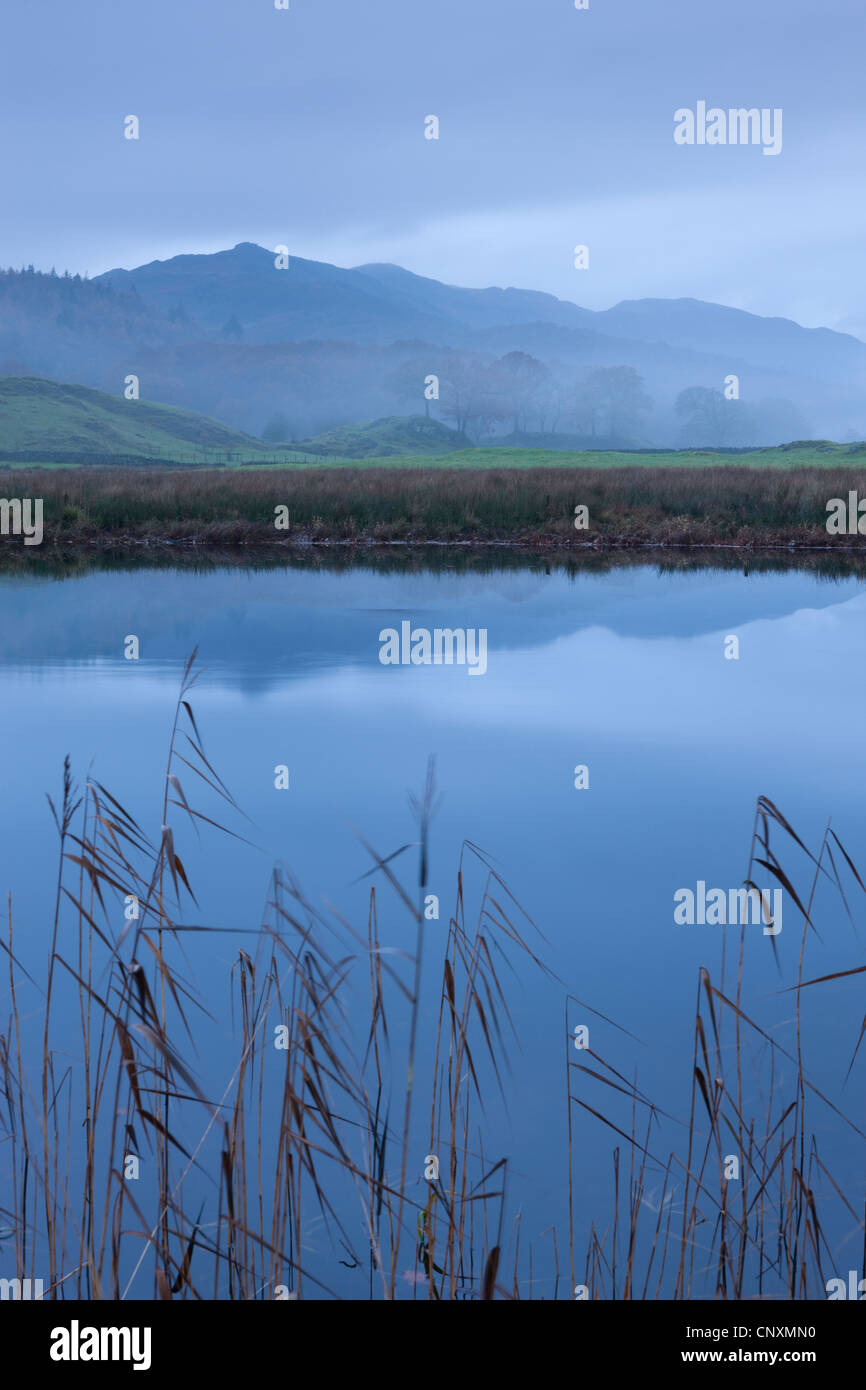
x: 384, y: 303
x: 315, y: 300
x: 309, y: 300
x: 392, y: 437
x: 230, y: 336
x: 777, y: 343
x: 37, y: 414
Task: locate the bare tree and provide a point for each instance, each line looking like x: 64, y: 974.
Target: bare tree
x: 519, y: 379
x: 708, y: 416
x: 468, y: 393
x: 615, y: 396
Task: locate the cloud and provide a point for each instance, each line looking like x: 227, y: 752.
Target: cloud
x: 306, y: 127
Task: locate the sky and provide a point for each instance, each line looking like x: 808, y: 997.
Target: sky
x: 305, y: 127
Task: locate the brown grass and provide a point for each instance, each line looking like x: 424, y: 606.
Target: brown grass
x: 726, y: 505
x: 761, y: 1236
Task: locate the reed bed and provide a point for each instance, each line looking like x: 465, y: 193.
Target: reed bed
x: 322, y: 1124
x: 727, y: 504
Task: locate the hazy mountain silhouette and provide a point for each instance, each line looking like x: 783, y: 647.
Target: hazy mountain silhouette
x: 383, y: 303
x: 231, y: 336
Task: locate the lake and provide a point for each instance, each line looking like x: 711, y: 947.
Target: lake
x: 609, y: 756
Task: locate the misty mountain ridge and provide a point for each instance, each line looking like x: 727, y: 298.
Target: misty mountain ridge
x: 382, y: 303
x: 229, y: 335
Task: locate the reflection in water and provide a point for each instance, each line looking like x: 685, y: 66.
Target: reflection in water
x: 618, y: 669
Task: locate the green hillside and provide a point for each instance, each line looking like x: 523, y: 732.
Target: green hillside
x: 395, y: 436
x: 50, y: 423
x: 46, y: 415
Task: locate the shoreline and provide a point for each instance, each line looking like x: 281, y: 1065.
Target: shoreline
x: 305, y: 542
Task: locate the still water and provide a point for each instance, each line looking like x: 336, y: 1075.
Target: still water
x: 629, y: 674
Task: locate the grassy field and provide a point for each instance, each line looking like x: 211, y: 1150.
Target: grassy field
x: 802, y: 454
x: 729, y: 505
x: 113, y: 471
x: 806, y: 454
x: 812, y: 453
x: 47, y: 424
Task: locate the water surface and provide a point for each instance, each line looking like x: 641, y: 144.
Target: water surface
x: 621, y: 671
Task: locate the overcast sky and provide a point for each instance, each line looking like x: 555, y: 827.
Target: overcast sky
x: 306, y: 128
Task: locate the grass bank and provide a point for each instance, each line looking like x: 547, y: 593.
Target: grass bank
x: 727, y: 505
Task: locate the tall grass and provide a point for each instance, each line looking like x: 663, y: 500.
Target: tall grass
x: 319, y: 1124
x: 727, y: 505
x: 760, y: 1236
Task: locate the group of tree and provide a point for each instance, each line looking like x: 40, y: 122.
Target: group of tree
x: 518, y: 394
x: 708, y: 418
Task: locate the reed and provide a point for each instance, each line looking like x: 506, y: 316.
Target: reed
x: 761, y: 1236
x: 320, y: 1122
